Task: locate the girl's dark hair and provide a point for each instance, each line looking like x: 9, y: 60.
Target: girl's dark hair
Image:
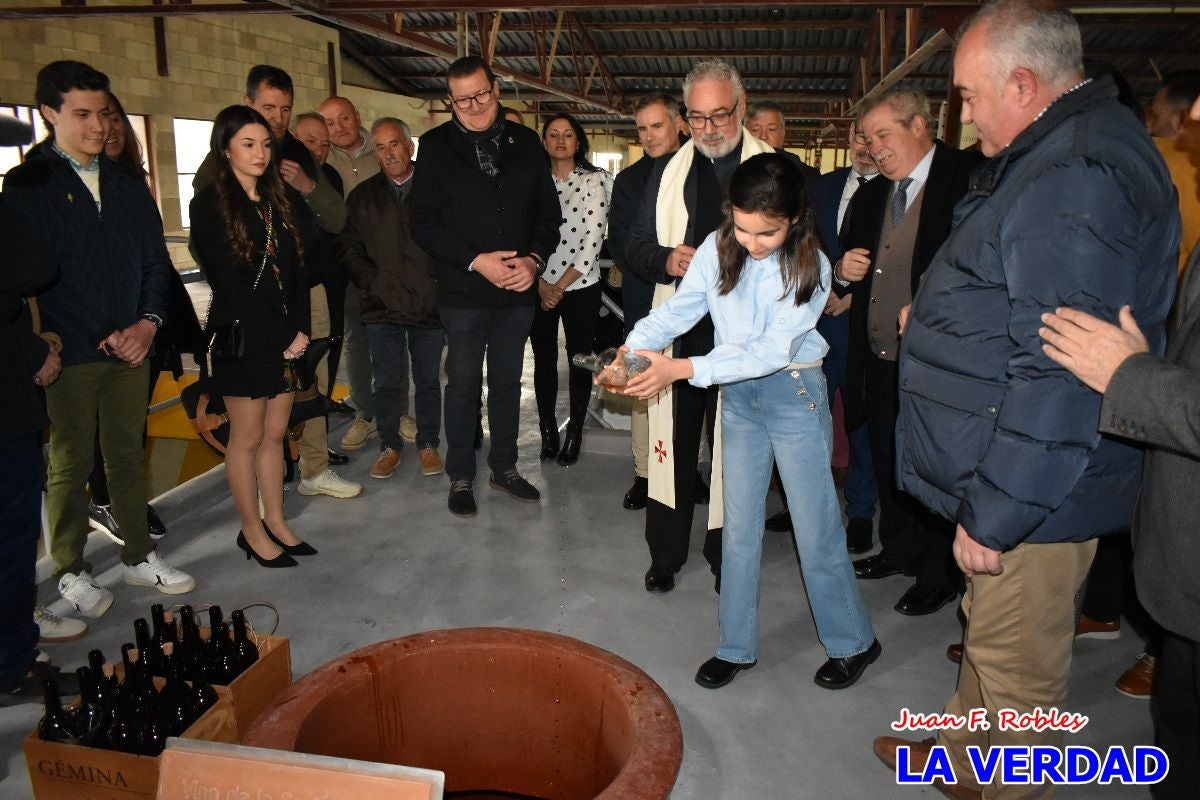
x: 581, y: 152
x: 231, y: 197
x: 772, y: 185
x: 131, y: 154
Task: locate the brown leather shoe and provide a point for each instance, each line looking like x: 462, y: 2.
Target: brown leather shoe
x: 885, y: 750
x: 431, y: 462
x: 385, y: 465
x: 954, y: 653
x: 1088, y: 628
x: 1138, y: 681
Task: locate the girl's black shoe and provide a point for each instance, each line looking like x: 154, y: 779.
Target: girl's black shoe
x: 302, y: 549
x: 281, y: 560
x: 570, y: 449
x: 549, y: 440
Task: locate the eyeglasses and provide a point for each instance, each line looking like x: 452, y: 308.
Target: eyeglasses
x: 719, y: 119
x: 481, y: 98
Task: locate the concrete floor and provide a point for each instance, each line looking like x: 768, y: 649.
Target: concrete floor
x: 394, y: 562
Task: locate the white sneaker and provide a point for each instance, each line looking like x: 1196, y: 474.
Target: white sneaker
x: 330, y: 484
x: 360, y: 431
x: 82, y: 592
x: 408, y: 429
x: 159, y: 574
x: 53, y: 628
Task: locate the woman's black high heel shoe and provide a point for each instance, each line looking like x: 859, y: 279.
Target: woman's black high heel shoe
x: 302, y: 549
x: 549, y: 440
x: 570, y: 449
x: 281, y: 560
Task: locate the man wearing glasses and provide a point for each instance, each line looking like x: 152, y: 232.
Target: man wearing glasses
x: 484, y: 207
x: 680, y: 208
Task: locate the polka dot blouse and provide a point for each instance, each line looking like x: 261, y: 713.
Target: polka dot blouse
x: 584, y: 197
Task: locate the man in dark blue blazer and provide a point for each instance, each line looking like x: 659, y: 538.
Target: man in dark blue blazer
x: 831, y: 194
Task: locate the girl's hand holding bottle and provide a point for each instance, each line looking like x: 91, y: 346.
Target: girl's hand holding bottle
x: 662, y: 372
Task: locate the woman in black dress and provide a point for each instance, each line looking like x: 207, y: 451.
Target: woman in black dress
x: 249, y: 250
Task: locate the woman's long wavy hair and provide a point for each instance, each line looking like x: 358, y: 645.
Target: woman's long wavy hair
x: 771, y: 185
x: 581, y: 159
x: 131, y: 153
x: 231, y: 197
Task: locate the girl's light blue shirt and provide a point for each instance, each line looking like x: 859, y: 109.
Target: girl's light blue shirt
x: 759, y: 330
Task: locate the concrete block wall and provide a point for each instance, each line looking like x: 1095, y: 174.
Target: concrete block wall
x: 208, y: 57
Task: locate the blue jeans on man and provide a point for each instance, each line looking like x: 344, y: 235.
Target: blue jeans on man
x: 392, y: 347
x: 784, y: 417
x: 860, y: 492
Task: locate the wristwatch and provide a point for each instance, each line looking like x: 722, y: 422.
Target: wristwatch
x: 153, y: 319
x: 539, y: 262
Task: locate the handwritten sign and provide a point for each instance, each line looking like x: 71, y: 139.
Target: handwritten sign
x: 195, y: 770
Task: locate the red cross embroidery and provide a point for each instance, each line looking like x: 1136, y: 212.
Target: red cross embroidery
x: 660, y: 451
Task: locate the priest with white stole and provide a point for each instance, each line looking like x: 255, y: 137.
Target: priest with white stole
x: 681, y: 207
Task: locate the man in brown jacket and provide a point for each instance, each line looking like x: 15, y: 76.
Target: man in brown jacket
x: 399, y: 299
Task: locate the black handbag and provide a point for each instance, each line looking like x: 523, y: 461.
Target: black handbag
x: 227, y: 342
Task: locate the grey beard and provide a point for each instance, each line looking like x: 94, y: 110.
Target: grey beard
x: 723, y: 149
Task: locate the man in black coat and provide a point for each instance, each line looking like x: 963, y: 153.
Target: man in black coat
x: 659, y: 128
x: 485, y: 208
x: 106, y: 306
x: 27, y: 361
x: 891, y: 238
x: 398, y: 299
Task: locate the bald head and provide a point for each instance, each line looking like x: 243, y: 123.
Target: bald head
x: 345, y: 127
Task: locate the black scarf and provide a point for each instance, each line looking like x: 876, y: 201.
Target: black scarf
x: 487, y: 143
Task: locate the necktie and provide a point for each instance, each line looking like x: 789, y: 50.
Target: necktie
x: 862, y: 181
x: 900, y: 200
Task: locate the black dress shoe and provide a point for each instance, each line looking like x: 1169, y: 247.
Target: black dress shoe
x: 549, y: 441
x: 873, y: 567
x: 838, y: 673
x: 781, y: 522
x: 858, y: 535
x: 660, y: 579
x: 302, y: 549
x: 570, y: 449
x: 636, y: 497
x: 461, y: 501
x: 716, y: 672
x: 337, y: 459
x: 921, y: 600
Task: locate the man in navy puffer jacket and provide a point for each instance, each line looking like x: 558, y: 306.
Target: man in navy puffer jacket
x: 1075, y: 209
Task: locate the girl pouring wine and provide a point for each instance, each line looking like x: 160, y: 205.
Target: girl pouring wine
x: 764, y: 281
